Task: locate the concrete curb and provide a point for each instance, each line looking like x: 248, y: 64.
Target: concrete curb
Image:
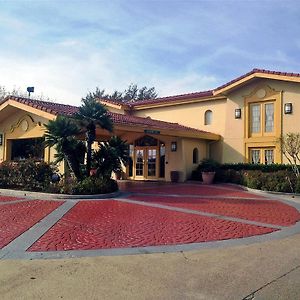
x: 288, y: 196
x: 48, y: 196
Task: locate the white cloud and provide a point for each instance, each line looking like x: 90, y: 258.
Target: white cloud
x: 171, y: 46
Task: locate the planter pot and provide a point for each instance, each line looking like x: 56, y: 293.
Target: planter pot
x: 208, y: 177
x: 174, y: 176
x: 93, y: 172
x: 118, y: 175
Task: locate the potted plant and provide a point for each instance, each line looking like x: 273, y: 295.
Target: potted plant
x: 208, y: 168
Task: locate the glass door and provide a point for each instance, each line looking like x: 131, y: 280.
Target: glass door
x: 139, y: 163
x: 151, y: 162
x: 146, y: 163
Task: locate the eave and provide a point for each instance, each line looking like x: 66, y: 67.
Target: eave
x: 243, y: 81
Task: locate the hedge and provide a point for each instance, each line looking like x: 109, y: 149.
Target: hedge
x: 275, y: 177
x: 26, y: 175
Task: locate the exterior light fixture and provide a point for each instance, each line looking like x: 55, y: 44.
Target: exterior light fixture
x: 173, y: 146
x: 1, y: 139
x: 238, y: 113
x: 288, y: 108
x: 30, y: 90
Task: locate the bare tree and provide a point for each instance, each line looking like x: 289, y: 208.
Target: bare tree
x: 290, y: 148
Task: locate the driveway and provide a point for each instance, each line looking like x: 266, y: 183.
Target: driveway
x: 207, y: 242
x: 146, y: 217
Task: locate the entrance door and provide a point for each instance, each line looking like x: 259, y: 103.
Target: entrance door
x: 139, y: 163
x: 152, y: 163
x: 146, y: 163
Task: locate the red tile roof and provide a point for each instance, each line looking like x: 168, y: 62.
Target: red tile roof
x: 175, y: 98
x: 50, y: 107
x: 209, y: 93
x: 120, y: 119
x: 262, y: 71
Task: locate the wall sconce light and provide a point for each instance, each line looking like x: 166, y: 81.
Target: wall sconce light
x: 238, y: 113
x: 173, y: 146
x: 1, y: 139
x: 288, y: 108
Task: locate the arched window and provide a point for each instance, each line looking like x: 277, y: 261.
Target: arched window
x: 208, y: 117
x: 195, y: 156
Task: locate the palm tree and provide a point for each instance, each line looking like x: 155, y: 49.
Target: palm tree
x: 110, y: 157
x: 90, y: 115
x: 61, y: 133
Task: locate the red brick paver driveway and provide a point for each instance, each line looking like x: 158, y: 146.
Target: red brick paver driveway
x: 149, y: 214
x: 16, y: 218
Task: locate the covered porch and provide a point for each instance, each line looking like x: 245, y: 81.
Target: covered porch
x: 156, y: 147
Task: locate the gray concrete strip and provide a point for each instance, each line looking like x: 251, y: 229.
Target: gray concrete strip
x: 16, y: 201
x: 200, y: 213
x: 196, y: 196
x: 25, y: 240
x: 48, y: 196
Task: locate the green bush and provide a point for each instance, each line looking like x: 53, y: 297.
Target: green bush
x: 280, y: 181
x: 26, y: 175
x: 94, y: 185
x: 297, y: 186
x: 276, y: 177
x: 257, y: 167
x: 231, y: 176
x: 36, y: 176
x: 208, y: 165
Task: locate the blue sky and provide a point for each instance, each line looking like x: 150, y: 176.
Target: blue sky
x: 67, y: 48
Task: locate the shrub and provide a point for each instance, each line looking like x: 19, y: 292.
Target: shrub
x: 258, y: 167
x: 252, y: 179
x: 230, y: 175
x: 26, y: 175
x: 280, y: 181
x: 297, y: 186
x: 208, y: 165
x: 94, y: 185
x: 276, y: 177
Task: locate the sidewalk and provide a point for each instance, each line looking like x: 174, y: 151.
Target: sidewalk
x: 270, y: 268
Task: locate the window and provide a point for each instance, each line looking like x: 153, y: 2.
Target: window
x: 208, y: 117
x: 255, y: 156
x: 262, y: 118
x: 269, y: 157
x: 269, y: 117
x: 262, y: 155
x: 195, y: 156
x: 27, y: 148
x: 255, y: 118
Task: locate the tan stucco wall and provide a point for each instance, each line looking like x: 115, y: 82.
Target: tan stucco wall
x: 174, y: 160
x: 231, y: 148
x: 190, y: 114
x: 234, y: 133
x: 188, y: 146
